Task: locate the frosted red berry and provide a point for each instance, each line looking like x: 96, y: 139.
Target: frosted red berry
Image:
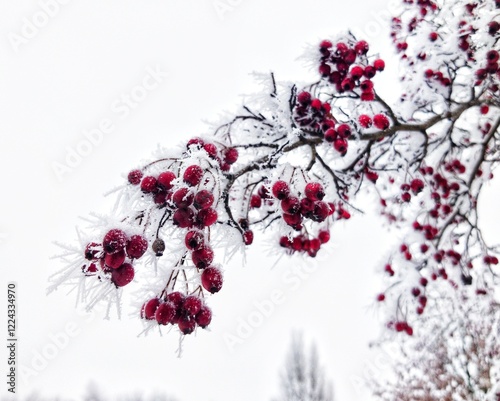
x: 211, y: 279
x: 255, y: 202
x: 136, y: 246
x: 193, y: 175
x: 204, y: 317
x: 183, y: 218
x: 148, y: 184
x: 365, y: 121
x: 114, y: 241
x: 191, y: 305
x: 291, y: 205
x: 203, y: 199
x: 165, y: 180
x: 231, y: 155
x: 186, y: 325
x: 203, y: 257
x: 134, y: 177
x: 194, y: 240
x: 281, y: 189
x: 304, y: 98
x: 115, y: 260
x: 248, y: 237
x: 183, y: 197
x: 206, y: 217
x: 314, y: 191
x: 149, y: 308
x: 381, y: 121
x: 123, y: 275
x: 165, y: 313
x: 379, y: 64
x: 361, y: 47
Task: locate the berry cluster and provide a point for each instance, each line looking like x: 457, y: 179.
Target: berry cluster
x: 225, y: 156
x: 304, y: 243
x: 186, y: 312
x: 490, y: 70
x: 338, y: 66
x: 108, y: 259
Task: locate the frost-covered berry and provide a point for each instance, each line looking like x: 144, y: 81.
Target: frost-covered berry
x: 195, y: 142
x: 176, y: 298
x: 193, y: 175
x: 381, y: 121
x: 330, y: 135
x: 165, y: 313
x: 231, y: 155
x: 123, y: 275
x: 314, y: 191
x: 291, y: 205
x: 114, y: 241
x: 365, y: 121
x: 148, y: 310
x: 356, y: 72
x: 115, y: 260
x: 493, y: 28
x: 211, y: 149
x: 324, y: 236
x: 183, y: 197
x: 304, y: 98
x: 204, y: 317
x: 417, y: 185
x: 191, y: 305
x: 433, y: 36
x: 183, y: 218
x: 148, y: 184
x: 136, y: 246
x: 186, y: 325
x: 281, y: 190
x: 194, y: 240
x: 203, y: 257
x: 165, y: 180
x: 255, y: 202
x: 206, y: 217
x: 292, y: 220
x: 203, y: 199
x: 248, y: 237
x: 340, y: 145
x: 134, y: 177
x: 344, y: 130
x: 92, y: 251
x: 211, y: 279
x: 320, y: 211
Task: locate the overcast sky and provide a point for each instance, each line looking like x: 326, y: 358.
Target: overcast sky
x: 66, y: 74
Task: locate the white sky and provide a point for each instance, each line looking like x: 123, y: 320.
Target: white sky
x: 64, y: 80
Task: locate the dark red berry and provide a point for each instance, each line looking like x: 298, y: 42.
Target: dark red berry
x: 255, y: 202
x: 206, y: 217
x: 381, y: 121
x: 115, y: 260
x: 134, y: 177
x: 165, y: 180
x: 248, y: 237
x: 194, y: 240
x: 291, y: 205
x: 148, y: 310
x: 203, y: 199
x: 191, y: 305
x: 186, y: 325
x: 211, y: 279
x: 114, y: 241
x: 361, y: 47
x: 92, y: 251
x: 165, y: 313
x: 379, y: 64
x: 324, y: 236
x: 149, y: 184
x: 203, y: 257
x: 123, y: 275
x: 204, y: 317
x: 340, y: 146
x: 136, y: 246
x: 281, y: 190
x: 231, y: 155
x: 183, y: 197
x: 320, y: 212
x: 314, y: 191
x: 183, y: 218
x: 193, y: 175
x: 365, y: 121
x: 304, y: 98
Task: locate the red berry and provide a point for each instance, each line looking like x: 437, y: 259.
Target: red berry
x: 347, y: 84
x: 160, y: 198
x: 255, y: 202
x: 123, y: 275
x: 183, y: 218
x: 314, y: 191
x: 176, y: 298
x: 361, y: 47
x: 293, y: 220
x: 206, y: 217
x: 340, y: 146
x: 324, y: 236
x: 371, y: 175
x: 136, y: 246
x: 165, y: 180
x: 134, y: 177
x: 366, y: 85
x: 379, y: 64
x: 365, y: 121
x: 231, y: 155
x: 165, y: 313
x: 356, y: 72
x: 493, y: 28
x: 149, y: 184
x: 196, y: 141
x: 344, y: 130
x: 114, y: 241
x: 115, y: 260
x: 370, y: 71
x: 191, y: 305
x: 320, y: 212
x: 183, y: 197
x: 194, y: 240
x: 263, y: 192
x: 380, y: 297
x: 417, y: 185
x: 203, y: 257
x: 324, y: 70
x: 291, y: 205
x: 211, y: 149
x: 248, y: 237
x: 330, y: 135
x: 368, y: 96
x: 306, y: 207
x: 92, y: 250
x: 193, y: 175
x: 316, y: 104
x: 186, y: 325
x: 484, y: 109
x: 325, y: 44
x: 203, y: 199
x: 204, y: 317
x: 304, y: 98
x: 281, y: 190
x: 211, y: 279
x: 433, y: 36
x: 381, y: 121
x: 406, y: 197
x: 149, y: 308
